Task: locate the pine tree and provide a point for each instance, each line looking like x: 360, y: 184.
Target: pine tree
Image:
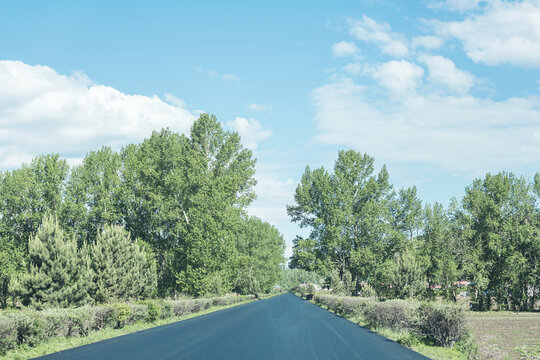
x: 57, y: 273
x: 122, y: 270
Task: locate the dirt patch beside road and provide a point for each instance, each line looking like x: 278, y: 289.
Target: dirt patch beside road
x: 506, y: 335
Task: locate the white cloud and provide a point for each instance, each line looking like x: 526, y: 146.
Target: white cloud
x: 428, y: 42
x: 398, y: 77
x: 258, y: 107
x: 505, y: 32
x: 369, y: 30
x: 457, y: 133
x: 42, y: 111
x: 443, y: 71
x: 251, y: 131
x: 345, y: 48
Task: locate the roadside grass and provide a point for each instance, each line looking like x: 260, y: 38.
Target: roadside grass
x: 506, y: 334
x: 64, y: 343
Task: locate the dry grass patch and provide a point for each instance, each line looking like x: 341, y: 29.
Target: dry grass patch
x: 506, y: 335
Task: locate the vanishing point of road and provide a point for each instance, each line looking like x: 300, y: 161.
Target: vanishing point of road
x: 281, y: 327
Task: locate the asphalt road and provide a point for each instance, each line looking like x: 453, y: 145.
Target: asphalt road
x: 281, y: 327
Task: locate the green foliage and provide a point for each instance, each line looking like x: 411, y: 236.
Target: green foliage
x: 408, y: 277
x: 121, y: 269
x: 94, y: 195
x: 122, y: 313
x: 183, y: 197
x: 11, y: 262
x: 57, y: 273
x: 28, y: 194
x: 442, y: 323
x: 364, y: 233
x: 154, y: 309
x: 356, y: 221
x: 260, y: 249
x: 503, y: 217
x: 294, y: 277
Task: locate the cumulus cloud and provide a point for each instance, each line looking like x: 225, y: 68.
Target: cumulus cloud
x: 42, y: 111
x: 504, y: 32
x: 398, y: 77
x: 251, y: 131
x: 443, y: 72
x: 457, y: 133
x: 367, y: 29
x: 345, y: 48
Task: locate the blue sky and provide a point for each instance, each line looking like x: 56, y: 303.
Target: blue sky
x: 440, y: 91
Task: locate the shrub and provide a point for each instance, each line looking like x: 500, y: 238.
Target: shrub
x: 122, y: 315
x: 8, y: 333
x: 442, y: 323
x: 80, y: 321
x: 103, y: 317
x: 138, y: 313
x: 393, y: 314
x: 154, y: 310
x: 356, y: 306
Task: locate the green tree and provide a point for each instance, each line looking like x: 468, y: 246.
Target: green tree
x: 29, y: 193
x: 350, y: 214
x: 11, y: 263
x: 120, y: 267
x: 156, y: 199
x: 505, y: 241
x: 57, y: 273
x: 409, y: 212
x: 260, y: 253
x: 438, y: 247
x: 220, y: 174
x: 94, y: 194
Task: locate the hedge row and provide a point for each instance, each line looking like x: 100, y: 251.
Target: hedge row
x: 30, y: 327
x: 443, y: 324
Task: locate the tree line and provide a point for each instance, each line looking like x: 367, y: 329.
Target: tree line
x: 179, y: 201
x: 370, y: 239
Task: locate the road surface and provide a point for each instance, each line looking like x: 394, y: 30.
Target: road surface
x: 281, y: 327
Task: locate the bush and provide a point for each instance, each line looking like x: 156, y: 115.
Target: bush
x: 442, y: 323
x: 356, y: 306
x: 122, y: 315
x: 104, y: 317
x: 30, y: 326
x: 154, y: 310
x: 139, y: 313
x: 392, y: 314
x: 8, y: 333
x: 55, y: 322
